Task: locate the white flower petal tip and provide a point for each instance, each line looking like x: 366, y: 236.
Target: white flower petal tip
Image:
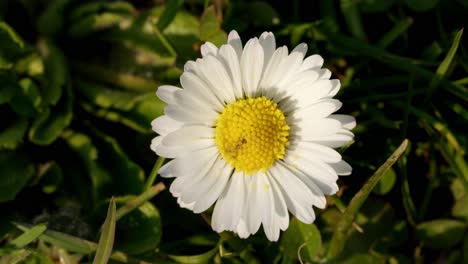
x: 252, y: 133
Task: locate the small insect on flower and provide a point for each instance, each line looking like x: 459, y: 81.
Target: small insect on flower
x: 253, y: 132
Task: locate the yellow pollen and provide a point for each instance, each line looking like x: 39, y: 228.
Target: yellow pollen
x: 252, y: 134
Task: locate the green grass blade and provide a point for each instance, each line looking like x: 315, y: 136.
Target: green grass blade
x: 445, y: 64
x: 106, y: 241
x: 137, y: 201
x: 28, y: 236
x: 395, y: 32
x: 339, y: 236
x: 64, y: 241
x: 353, y: 18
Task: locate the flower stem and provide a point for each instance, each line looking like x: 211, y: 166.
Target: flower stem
x: 154, y: 172
x: 340, y: 235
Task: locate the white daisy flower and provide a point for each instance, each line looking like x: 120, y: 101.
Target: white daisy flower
x: 253, y: 133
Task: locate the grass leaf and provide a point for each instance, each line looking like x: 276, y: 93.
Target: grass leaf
x: 106, y: 241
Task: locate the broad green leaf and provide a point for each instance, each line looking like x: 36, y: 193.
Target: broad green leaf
x: 183, y: 33
x: 48, y: 126
x: 127, y: 176
x: 27, y: 99
x: 118, y: 79
x: 421, y: 5
x: 170, y: 11
x: 56, y: 72
x: 92, y: 17
x: 300, y: 238
x: 51, y: 21
x: 9, y: 87
x: 138, y: 118
x: 15, y: 170
x: 94, y: 23
x: 460, y: 208
x: 8, y: 34
x: 87, y: 152
x: 12, y: 44
x: 210, y: 28
x: 105, y: 97
x: 121, y: 7
x: 28, y: 236
x: 441, y: 233
x: 12, y: 135
x: 386, y: 184
x: 195, y: 259
x: 140, y: 230
x: 106, y: 241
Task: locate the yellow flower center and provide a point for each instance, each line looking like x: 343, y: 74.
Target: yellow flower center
x: 252, y: 134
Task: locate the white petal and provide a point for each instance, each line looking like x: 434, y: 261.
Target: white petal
x: 342, y: 168
x: 235, y: 41
x: 192, y: 163
x: 324, y: 74
x: 188, y: 135
x: 281, y: 209
x: 296, y: 195
x: 321, y: 109
x: 164, y: 125
x: 213, y: 192
x: 242, y: 229
x: 306, y: 95
x: 185, y: 116
x: 196, y: 87
x: 318, y: 151
x: 195, y: 191
x: 161, y: 150
x: 268, y: 43
x: 318, y: 199
x: 166, y: 170
x: 312, y: 62
x: 321, y: 173
x: 167, y: 93
x: 288, y: 69
x: 270, y: 219
x: 254, y: 201
x: 230, y: 205
x: 347, y: 121
x: 212, y: 72
x: 221, y: 78
x: 208, y: 48
x: 271, y: 74
x: 337, y: 140
x: 301, y: 48
x: 335, y: 88
x: 311, y: 129
x: 251, y: 66
x: 231, y: 62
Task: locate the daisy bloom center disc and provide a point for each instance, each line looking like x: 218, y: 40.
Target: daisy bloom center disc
x: 252, y: 133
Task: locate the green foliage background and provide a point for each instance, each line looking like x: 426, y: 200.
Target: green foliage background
x: 77, y: 83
